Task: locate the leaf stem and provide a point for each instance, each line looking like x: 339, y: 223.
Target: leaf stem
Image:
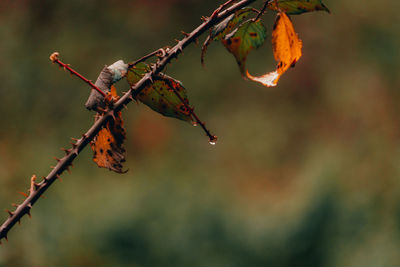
x: 212, y: 138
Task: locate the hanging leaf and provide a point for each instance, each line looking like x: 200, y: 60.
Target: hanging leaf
x: 244, y: 39
x: 296, y: 7
x: 287, y: 50
x: 219, y: 31
x: 107, y: 146
x: 160, y: 95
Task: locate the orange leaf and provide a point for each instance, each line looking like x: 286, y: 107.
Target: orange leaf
x: 107, y: 146
x: 287, y: 50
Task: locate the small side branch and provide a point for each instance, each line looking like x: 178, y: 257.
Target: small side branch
x: 54, y: 58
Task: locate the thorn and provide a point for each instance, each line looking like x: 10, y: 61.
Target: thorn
x: 125, y: 106
x: 75, y: 151
x: 176, y: 40
x: 203, y: 18
x: 74, y: 139
x: 84, y: 136
x: 36, y: 185
x: 19, y: 222
x: 74, y: 146
x: 10, y: 212
x: 72, y: 165
x: 112, y: 114
x: 68, y: 170
x: 59, y: 178
x: 45, y: 179
x: 52, y: 167
x: 101, y: 110
x: 150, y: 78
x: 24, y: 194
x: 66, y: 150
x: 185, y: 33
x: 15, y: 205
x: 57, y: 159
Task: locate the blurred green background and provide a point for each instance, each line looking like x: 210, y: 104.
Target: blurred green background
x: 304, y: 174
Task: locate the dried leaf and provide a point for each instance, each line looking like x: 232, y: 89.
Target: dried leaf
x: 160, y: 95
x: 219, y: 31
x: 108, y: 76
x: 296, y: 7
x: 287, y: 50
x: 250, y: 35
x: 107, y: 146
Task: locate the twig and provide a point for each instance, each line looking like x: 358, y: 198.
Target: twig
x: 159, y: 52
x: 65, y: 163
x: 262, y: 11
x: 54, y: 58
x: 221, y: 7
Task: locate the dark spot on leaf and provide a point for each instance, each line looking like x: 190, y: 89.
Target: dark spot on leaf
x: 101, y: 151
x: 109, y: 152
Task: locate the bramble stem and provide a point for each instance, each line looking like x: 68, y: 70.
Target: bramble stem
x: 64, y: 163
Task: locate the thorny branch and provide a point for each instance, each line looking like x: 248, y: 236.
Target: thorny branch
x: 63, y: 164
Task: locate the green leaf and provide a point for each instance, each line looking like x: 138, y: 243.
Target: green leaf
x: 243, y: 40
x: 296, y: 7
x: 219, y: 31
x: 161, y: 95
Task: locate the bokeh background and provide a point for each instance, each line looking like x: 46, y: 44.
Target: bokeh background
x: 304, y: 174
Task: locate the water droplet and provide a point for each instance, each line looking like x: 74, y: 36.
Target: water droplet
x: 213, y: 140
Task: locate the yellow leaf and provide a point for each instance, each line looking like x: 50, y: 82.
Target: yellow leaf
x: 287, y: 50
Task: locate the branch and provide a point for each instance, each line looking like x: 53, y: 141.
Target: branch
x: 63, y: 164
